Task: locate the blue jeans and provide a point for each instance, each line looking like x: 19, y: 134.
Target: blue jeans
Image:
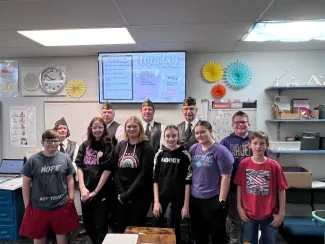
x: 250, y: 231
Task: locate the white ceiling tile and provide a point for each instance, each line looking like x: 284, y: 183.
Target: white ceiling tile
x: 279, y: 46
x: 13, y: 39
x: 64, y: 51
x: 190, y: 47
x: 59, y: 14
x: 190, y: 33
x: 158, y: 25
x: 295, y: 10
x: 161, y: 12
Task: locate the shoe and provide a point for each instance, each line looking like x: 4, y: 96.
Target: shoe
x: 82, y: 233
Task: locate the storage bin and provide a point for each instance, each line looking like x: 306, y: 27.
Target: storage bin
x: 322, y: 143
x: 310, y: 134
x: 285, y: 145
x: 309, y: 143
x: 298, y: 177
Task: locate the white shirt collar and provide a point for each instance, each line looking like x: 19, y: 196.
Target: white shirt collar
x: 151, y: 123
x: 108, y: 125
x: 193, y: 122
x: 65, y: 144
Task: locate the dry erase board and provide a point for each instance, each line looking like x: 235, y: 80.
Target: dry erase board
x: 221, y: 121
x: 77, y: 115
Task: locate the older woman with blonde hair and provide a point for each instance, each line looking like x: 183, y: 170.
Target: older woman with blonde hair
x: 133, y: 177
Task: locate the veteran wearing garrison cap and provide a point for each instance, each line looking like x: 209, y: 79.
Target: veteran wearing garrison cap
x: 186, y: 128
x: 114, y: 129
x: 66, y: 146
x: 153, y: 130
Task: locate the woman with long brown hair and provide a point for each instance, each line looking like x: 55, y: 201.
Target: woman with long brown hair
x: 133, y: 177
x: 95, y: 163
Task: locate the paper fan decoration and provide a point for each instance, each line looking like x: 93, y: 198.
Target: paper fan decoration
x: 212, y: 71
x: 218, y: 91
x: 238, y: 75
x: 76, y: 88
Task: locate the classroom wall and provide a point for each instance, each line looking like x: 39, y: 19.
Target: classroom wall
x: 266, y: 66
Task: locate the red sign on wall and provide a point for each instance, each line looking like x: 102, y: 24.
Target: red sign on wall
x: 216, y: 105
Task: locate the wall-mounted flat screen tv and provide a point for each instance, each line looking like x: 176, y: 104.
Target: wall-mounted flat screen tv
x: 134, y: 77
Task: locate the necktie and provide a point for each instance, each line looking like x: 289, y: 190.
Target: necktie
x: 188, y: 132
x: 61, y: 148
x: 147, y: 132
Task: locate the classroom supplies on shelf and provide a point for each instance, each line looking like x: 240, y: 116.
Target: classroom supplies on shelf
x: 285, y: 145
x: 278, y: 113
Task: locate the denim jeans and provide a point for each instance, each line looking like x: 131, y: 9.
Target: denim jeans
x: 269, y: 233
x: 234, y: 219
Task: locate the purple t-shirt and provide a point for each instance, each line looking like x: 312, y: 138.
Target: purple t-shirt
x: 207, y: 167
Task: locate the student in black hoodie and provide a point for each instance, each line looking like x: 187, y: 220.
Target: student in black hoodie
x: 133, y: 175
x: 95, y: 163
x: 172, y: 180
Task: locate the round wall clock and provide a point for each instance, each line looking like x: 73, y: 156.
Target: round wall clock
x: 53, y: 80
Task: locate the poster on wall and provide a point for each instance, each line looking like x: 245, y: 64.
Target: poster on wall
x: 23, y: 126
x: 8, y: 78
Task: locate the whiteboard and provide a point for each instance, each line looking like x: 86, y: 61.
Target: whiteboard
x: 221, y: 121
x: 77, y: 115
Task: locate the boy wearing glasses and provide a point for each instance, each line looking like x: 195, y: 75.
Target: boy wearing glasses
x: 48, y: 193
x: 238, y: 144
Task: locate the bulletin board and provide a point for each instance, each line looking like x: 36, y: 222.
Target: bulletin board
x: 221, y: 120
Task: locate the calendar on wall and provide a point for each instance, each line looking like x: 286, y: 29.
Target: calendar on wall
x: 221, y: 120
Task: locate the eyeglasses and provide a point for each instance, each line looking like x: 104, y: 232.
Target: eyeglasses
x: 52, y: 141
x: 240, y: 122
x: 98, y: 128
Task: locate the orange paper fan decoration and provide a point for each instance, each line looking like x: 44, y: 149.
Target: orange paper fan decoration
x: 218, y: 91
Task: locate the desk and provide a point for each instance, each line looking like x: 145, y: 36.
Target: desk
x: 156, y: 239
x: 319, y: 215
x: 152, y: 235
x: 149, y: 230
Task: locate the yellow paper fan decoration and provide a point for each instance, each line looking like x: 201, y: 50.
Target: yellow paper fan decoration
x: 76, y: 88
x: 212, y: 71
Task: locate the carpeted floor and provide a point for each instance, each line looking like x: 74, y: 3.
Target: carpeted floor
x: 85, y: 240
x: 74, y: 239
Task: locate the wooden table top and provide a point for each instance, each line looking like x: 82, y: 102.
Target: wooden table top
x: 149, y: 230
x: 156, y: 239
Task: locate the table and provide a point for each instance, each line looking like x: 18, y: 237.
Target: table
x: 319, y: 215
x: 152, y: 235
x: 156, y: 239
x: 149, y: 230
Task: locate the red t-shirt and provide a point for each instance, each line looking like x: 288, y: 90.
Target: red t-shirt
x: 260, y: 184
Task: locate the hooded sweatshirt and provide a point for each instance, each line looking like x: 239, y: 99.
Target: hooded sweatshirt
x: 239, y: 148
x: 93, y: 160
x: 172, y: 171
x: 133, y: 175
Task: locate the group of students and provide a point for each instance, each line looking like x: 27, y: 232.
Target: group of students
x: 205, y: 183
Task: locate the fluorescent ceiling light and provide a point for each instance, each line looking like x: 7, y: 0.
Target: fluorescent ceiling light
x: 286, y: 31
x: 78, y: 37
